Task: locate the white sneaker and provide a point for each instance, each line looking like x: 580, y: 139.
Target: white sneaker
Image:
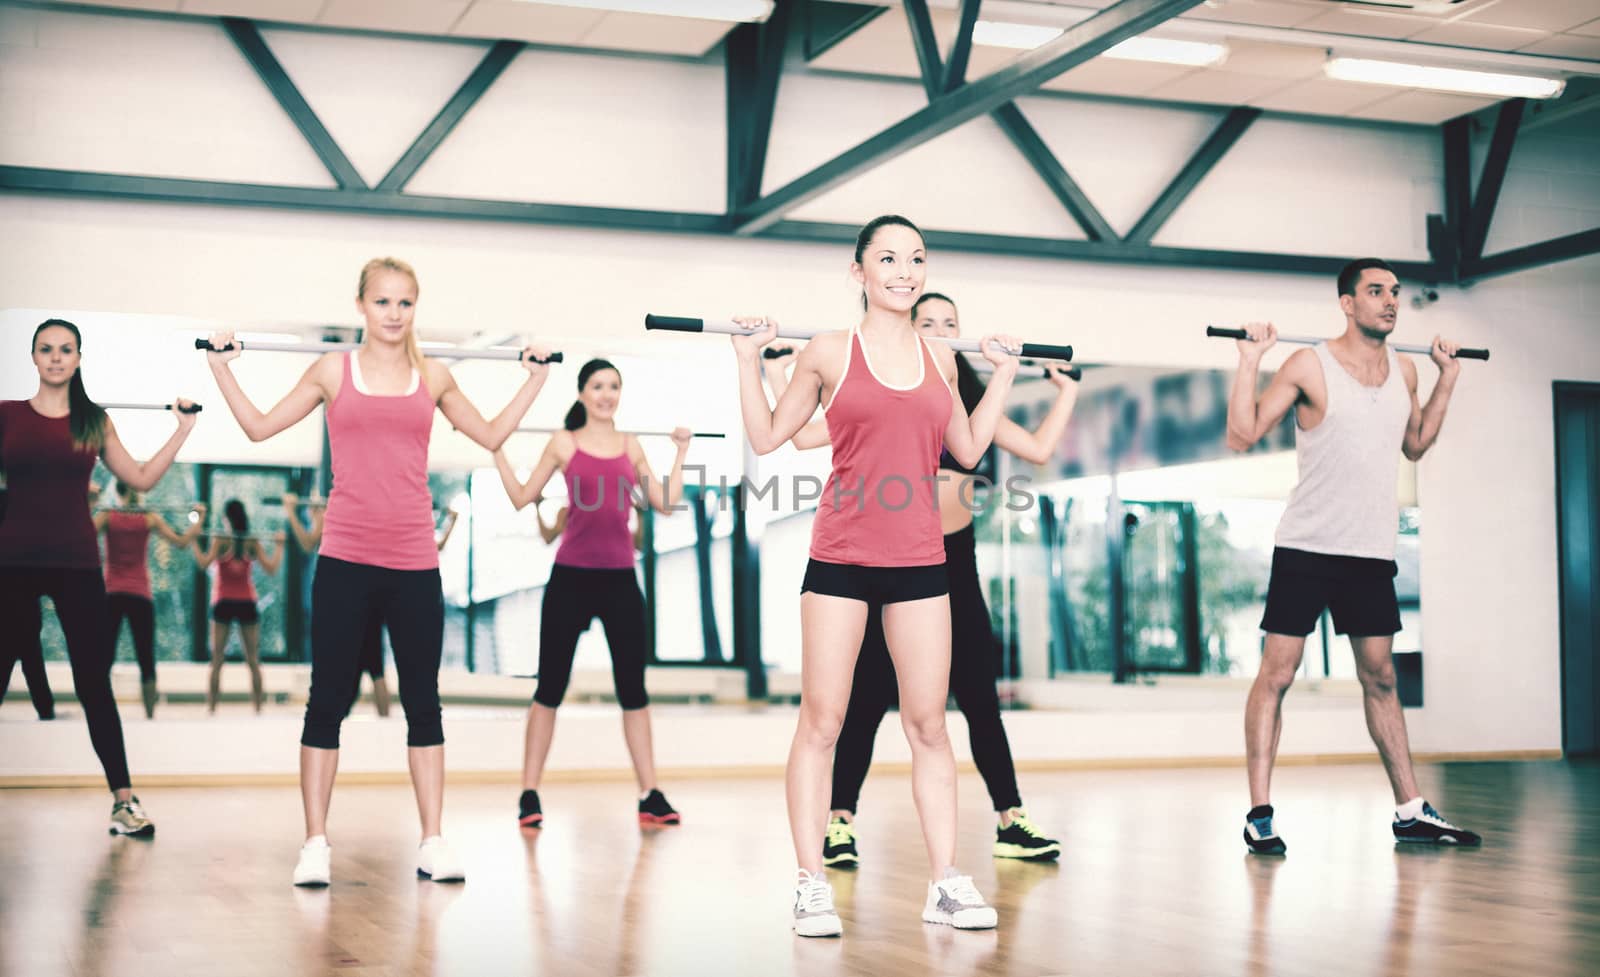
x: 315, y: 865
x: 954, y: 901
x: 813, y: 907
x: 436, y: 861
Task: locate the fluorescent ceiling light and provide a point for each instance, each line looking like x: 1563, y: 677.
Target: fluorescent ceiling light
x: 740, y: 10
x: 995, y: 33
x: 1442, y: 79
x: 1166, y: 51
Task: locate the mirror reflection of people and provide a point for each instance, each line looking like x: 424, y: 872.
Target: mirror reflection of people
x: 127, y: 531
x: 233, y: 596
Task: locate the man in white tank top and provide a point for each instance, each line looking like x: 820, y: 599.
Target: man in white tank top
x: 1356, y: 413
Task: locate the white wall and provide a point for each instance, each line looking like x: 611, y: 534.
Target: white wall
x: 1489, y: 573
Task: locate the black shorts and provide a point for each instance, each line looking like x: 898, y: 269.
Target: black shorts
x: 243, y: 611
x: 876, y: 586
x: 1357, y: 589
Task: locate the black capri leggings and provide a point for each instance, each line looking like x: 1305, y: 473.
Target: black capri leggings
x: 80, y: 599
x: 140, y: 613
x: 574, y: 597
x: 347, y: 601
x: 974, y: 666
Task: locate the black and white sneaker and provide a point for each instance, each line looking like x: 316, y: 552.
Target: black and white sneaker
x: 839, y: 850
x: 1022, y: 839
x: 1258, y: 832
x: 1430, y: 828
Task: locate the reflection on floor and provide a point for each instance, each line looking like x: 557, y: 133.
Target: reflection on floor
x: 1154, y: 881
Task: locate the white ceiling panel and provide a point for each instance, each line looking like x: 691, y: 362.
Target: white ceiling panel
x: 1545, y: 15
x: 1566, y: 46
x: 1322, y: 96
x: 1423, y: 108
x: 1266, y: 13
x: 1216, y: 87
x: 284, y: 11
x: 533, y: 22
x: 1463, y: 33
x: 1107, y: 76
x: 1591, y: 29
x: 692, y: 36
x: 405, y: 16
x: 1367, y: 23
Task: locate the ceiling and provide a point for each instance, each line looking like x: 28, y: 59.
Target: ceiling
x: 1277, y: 48
x: 514, y: 20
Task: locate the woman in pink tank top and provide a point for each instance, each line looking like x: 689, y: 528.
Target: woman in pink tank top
x: 606, y: 473
x: 127, y: 531
x: 378, y: 560
x: 233, y: 597
x: 877, y: 547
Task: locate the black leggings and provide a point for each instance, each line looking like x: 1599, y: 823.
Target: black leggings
x: 80, y: 599
x: 140, y: 613
x: 348, y: 600
x: 28, y: 651
x: 974, y: 665
x: 574, y: 597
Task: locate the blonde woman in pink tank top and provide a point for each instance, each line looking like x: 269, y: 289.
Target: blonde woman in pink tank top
x: 378, y: 557
x: 877, y: 548
x: 607, y: 473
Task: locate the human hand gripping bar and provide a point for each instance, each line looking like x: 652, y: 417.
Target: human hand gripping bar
x: 1217, y: 332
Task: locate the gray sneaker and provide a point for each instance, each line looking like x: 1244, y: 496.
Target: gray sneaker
x: 955, y: 901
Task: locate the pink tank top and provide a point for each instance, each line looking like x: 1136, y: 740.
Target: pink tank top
x: 380, y: 512
x: 879, y: 507
x: 233, y: 580
x: 127, y: 550
x: 599, y: 498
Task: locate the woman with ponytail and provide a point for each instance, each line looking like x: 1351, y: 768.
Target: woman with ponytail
x: 888, y: 397
x: 233, y: 597
x: 593, y: 576
x: 378, y: 560
x: 974, y: 652
x: 48, y: 547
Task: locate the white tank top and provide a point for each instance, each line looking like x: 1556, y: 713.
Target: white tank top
x: 1346, y: 502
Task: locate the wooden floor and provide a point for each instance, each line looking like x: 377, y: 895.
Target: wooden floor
x: 1155, y: 881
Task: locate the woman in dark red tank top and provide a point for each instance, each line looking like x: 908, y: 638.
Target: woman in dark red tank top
x: 48, y: 447
x: 378, y: 559
x: 606, y: 472
x: 877, y: 547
